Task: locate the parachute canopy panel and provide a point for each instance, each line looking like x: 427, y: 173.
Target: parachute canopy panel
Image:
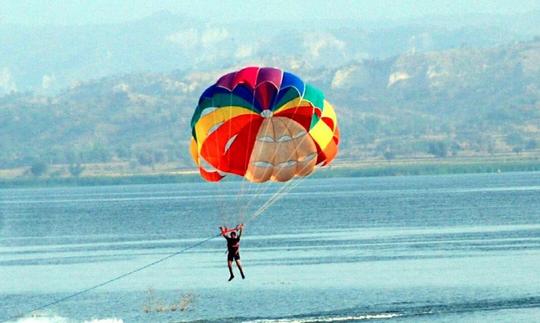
x: 263, y: 124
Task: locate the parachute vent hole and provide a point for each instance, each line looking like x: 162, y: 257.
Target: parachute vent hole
x: 263, y: 164
x: 207, y: 111
x: 265, y: 139
x: 307, y: 158
x: 300, y: 134
x: 289, y: 163
x: 230, y: 142
x: 206, y: 165
x: 215, y: 127
x: 267, y: 114
x: 284, y: 138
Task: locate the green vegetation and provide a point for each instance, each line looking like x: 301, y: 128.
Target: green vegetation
x: 372, y: 169
x: 38, y: 168
x: 438, y: 149
x: 76, y: 169
x: 99, y: 180
x: 434, y: 169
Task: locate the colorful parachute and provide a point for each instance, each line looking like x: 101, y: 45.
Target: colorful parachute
x: 263, y: 124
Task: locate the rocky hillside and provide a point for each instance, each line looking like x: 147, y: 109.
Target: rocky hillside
x: 440, y: 103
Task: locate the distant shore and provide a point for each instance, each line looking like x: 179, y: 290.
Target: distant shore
x: 401, y: 167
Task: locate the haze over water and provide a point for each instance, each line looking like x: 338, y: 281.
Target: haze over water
x: 426, y: 248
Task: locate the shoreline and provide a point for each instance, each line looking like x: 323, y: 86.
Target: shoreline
x: 366, y: 169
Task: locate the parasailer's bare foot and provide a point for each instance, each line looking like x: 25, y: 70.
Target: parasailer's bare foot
x: 243, y: 276
x: 231, y: 278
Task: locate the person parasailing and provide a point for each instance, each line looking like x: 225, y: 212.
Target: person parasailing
x: 233, y: 248
x: 263, y: 124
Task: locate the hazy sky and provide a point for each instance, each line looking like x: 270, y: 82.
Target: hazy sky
x: 109, y: 11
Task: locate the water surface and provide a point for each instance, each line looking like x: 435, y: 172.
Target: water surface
x: 424, y: 248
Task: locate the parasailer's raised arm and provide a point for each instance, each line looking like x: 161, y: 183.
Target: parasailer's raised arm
x: 225, y: 232
x: 240, y: 228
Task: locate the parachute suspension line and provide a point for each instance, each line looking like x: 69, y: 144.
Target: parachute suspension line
x: 259, y: 189
x: 245, y: 189
x: 107, y: 282
x: 263, y: 188
x: 255, y: 193
x: 272, y: 198
x: 222, y: 208
x: 221, y: 200
x: 287, y: 187
x: 284, y: 189
x: 277, y: 196
x: 241, y: 203
x: 238, y: 201
x: 243, y: 206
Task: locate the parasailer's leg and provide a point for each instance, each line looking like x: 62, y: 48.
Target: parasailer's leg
x: 239, y: 265
x: 229, y: 263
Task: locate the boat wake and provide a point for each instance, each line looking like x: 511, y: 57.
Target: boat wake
x: 399, y: 310
x: 53, y: 318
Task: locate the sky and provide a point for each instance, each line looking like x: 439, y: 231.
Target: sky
x: 79, y: 12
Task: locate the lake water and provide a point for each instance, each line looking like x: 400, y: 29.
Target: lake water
x: 404, y: 249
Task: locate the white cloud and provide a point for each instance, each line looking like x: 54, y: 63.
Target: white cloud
x: 7, y: 84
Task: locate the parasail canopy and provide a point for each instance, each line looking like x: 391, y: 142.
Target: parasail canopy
x: 263, y: 124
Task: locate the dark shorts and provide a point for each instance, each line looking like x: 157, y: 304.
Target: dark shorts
x: 233, y: 256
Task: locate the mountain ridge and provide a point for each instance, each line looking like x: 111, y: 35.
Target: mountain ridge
x: 463, y: 102
x: 50, y: 58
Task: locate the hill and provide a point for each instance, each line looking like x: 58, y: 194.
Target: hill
x: 462, y: 102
